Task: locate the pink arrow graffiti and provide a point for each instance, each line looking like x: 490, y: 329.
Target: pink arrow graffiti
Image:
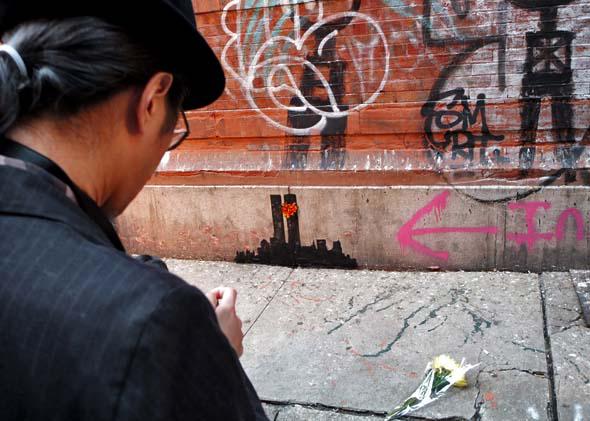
x: 406, y: 233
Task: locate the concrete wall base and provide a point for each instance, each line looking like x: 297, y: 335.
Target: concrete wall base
x: 402, y: 227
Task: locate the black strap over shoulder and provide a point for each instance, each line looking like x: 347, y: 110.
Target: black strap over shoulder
x: 16, y: 150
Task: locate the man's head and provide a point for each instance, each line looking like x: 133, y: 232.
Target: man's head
x: 99, y: 99
x: 91, y: 89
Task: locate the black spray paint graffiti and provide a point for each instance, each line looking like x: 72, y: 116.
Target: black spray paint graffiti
x: 458, y: 123
x: 324, y: 57
x: 459, y: 136
x: 458, y: 120
x: 547, y: 74
x: 289, y: 252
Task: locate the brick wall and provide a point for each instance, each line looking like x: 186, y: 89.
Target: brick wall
x: 480, y: 88
x: 410, y: 133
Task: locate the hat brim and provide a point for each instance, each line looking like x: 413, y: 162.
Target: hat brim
x: 191, y: 54
x: 161, y: 26
x: 205, y: 77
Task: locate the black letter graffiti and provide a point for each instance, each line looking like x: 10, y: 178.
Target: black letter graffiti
x: 457, y: 118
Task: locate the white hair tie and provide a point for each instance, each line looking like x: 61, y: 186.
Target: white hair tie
x: 16, y: 57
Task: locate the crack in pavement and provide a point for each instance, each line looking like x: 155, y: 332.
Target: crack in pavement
x: 568, y: 327
x: 571, y: 309
x: 456, y: 295
x: 325, y: 408
x: 362, y: 310
x: 478, y: 319
x: 398, y: 336
x: 577, y: 367
x: 577, y: 319
x: 552, y: 404
x: 320, y: 407
x: 283, y: 282
x: 536, y: 373
x: 478, y: 403
x: 527, y: 348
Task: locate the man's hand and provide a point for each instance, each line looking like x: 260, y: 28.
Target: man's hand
x: 223, y: 300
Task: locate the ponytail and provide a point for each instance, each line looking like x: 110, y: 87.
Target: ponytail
x: 72, y: 64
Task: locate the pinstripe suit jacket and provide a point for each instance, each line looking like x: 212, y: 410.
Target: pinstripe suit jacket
x: 89, y: 333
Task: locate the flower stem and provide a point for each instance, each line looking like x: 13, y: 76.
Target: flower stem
x: 401, y: 408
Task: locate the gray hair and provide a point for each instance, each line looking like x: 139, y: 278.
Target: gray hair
x: 72, y: 64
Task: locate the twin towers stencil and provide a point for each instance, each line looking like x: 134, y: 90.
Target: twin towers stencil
x: 281, y: 251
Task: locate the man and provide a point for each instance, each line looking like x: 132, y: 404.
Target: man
x: 90, y: 94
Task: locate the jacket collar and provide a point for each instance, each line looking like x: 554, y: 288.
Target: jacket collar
x: 35, y: 162
x: 32, y: 194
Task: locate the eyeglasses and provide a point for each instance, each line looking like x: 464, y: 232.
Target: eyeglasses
x: 180, y: 133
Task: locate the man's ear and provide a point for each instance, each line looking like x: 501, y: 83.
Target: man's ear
x: 152, y: 101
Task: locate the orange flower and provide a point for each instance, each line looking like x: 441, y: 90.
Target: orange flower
x: 289, y: 209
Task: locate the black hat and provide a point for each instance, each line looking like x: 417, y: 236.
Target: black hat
x: 168, y: 26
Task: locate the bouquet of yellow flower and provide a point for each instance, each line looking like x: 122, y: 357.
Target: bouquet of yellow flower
x: 441, y: 374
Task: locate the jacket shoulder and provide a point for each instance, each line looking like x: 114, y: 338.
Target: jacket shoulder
x: 71, y: 314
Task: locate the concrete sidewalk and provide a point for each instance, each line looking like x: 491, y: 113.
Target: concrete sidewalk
x: 350, y: 345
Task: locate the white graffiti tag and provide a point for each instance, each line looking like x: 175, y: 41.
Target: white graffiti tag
x: 267, y: 54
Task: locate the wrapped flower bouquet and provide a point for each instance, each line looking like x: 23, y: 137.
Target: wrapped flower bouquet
x: 440, y: 375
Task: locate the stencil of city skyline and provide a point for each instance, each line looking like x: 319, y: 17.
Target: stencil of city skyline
x: 281, y: 251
